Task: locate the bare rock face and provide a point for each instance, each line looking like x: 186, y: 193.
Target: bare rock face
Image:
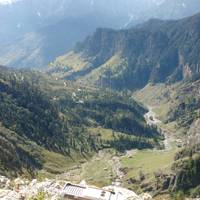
x: 48, y: 187
x: 194, y: 133
x: 4, y: 182
x: 145, y: 196
x: 9, y: 195
x: 128, y: 194
x: 23, y: 189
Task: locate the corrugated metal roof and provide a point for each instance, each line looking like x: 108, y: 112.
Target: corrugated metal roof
x: 94, y: 193
x: 74, y: 190
x: 87, y: 192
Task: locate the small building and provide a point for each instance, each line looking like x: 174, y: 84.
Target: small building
x: 85, y: 192
x: 81, y: 192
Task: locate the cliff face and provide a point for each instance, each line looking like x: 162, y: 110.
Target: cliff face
x: 194, y: 133
x: 156, y: 51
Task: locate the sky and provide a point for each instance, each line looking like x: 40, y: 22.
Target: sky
x: 7, y: 1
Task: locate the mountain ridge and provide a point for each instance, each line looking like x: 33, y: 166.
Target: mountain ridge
x: 43, y: 21
x: 159, y: 54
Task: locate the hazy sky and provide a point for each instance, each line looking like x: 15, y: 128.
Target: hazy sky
x: 6, y: 1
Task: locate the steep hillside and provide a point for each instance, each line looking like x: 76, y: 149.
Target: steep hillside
x: 156, y: 51
x: 186, y: 168
x: 178, y: 107
x: 177, y: 103
x: 18, y: 156
x: 184, y: 179
x: 31, y: 125
x: 37, y: 48
x: 42, y: 118
x: 187, y: 107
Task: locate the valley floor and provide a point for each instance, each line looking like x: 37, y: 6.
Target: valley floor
x: 109, y: 166
x: 134, y: 169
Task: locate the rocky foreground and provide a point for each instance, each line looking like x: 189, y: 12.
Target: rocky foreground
x: 21, y: 189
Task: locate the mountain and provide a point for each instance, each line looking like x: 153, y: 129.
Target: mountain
x: 28, y: 32
x: 169, y: 9
x: 32, y: 15
x: 42, y: 119
x: 37, y: 49
x: 186, y: 109
x: 156, y: 51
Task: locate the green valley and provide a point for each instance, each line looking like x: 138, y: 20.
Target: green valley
x: 42, y: 118
x: 119, y: 109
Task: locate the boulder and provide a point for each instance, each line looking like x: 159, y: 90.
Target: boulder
x: 145, y: 196
x: 9, y: 195
x: 4, y: 182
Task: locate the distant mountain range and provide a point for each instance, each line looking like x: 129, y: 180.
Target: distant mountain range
x: 33, y: 33
x: 156, y: 51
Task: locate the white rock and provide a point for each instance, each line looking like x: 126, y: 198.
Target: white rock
x: 9, y: 195
x: 33, y: 182
x: 19, y: 181
x: 146, y: 196
x: 126, y: 194
x: 53, y: 190
x: 4, y: 182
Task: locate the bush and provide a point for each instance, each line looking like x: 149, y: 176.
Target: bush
x: 39, y: 196
x: 195, y: 193
x: 180, y: 195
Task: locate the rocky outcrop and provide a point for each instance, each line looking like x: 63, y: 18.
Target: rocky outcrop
x: 21, y: 189
x: 193, y: 136
x: 4, y: 182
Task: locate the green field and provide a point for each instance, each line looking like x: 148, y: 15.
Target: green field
x: 146, y: 163
x: 98, y: 171
x: 158, y: 96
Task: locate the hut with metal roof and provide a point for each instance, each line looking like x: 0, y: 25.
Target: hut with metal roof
x: 84, y: 192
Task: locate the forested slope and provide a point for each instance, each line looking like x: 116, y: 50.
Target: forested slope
x: 40, y: 113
